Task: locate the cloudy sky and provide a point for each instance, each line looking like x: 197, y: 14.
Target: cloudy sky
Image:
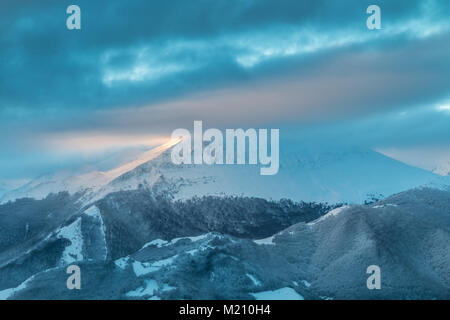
x: 137, y: 70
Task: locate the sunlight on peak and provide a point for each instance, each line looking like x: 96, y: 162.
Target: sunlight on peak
x: 145, y: 157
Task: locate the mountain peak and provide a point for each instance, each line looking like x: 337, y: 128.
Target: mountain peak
x: 333, y: 175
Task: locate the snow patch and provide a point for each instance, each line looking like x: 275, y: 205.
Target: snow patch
x: 94, y: 212
x: 384, y: 205
x: 280, y: 294
x: 165, y: 262
x: 72, y: 252
x: 332, y: 213
x: 146, y: 290
x: 266, y: 241
x: 192, y: 252
x: 158, y: 243
x: 306, y: 283
x: 193, y: 239
x: 166, y: 287
x: 122, y: 262
x: 150, y: 287
x: 143, y: 268
x: 255, y: 281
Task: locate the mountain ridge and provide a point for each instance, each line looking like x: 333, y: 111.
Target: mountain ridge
x: 336, y: 175
x: 326, y: 257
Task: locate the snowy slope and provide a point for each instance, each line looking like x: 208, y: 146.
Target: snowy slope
x: 407, y: 235
x: 8, y: 185
x: 443, y: 169
x: 68, y: 181
x: 337, y: 174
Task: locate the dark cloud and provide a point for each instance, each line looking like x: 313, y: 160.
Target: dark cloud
x: 151, y: 66
x: 46, y: 66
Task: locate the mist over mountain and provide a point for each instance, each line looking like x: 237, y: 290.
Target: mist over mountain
x: 150, y: 229
x: 335, y: 174
x: 353, y: 94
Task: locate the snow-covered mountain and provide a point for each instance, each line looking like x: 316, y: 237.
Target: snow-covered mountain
x: 338, y: 174
x: 8, y: 185
x: 90, y: 181
x: 443, y: 169
x: 131, y: 246
x: 132, y: 239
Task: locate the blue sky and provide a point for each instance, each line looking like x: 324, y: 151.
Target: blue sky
x: 137, y: 70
